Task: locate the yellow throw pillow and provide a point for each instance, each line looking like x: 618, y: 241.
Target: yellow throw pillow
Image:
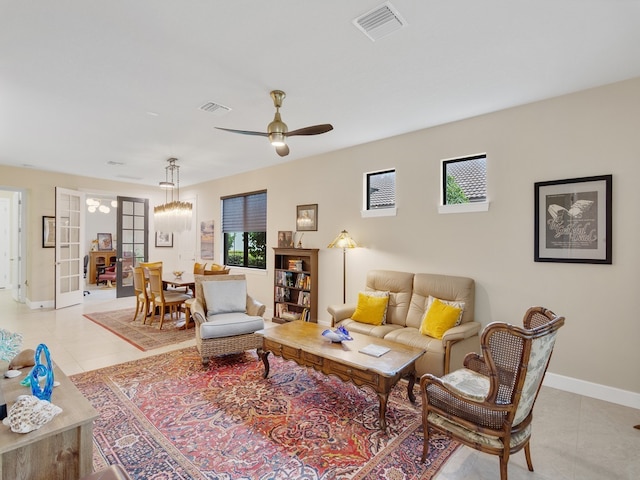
x: 438, y: 319
x: 370, y: 309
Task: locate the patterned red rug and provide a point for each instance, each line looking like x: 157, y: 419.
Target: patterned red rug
x: 141, y: 336
x: 168, y: 417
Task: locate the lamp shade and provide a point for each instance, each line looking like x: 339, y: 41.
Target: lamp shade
x: 343, y: 240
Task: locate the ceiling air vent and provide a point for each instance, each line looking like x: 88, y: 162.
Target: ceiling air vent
x: 380, y: 22
x: 215, y: 108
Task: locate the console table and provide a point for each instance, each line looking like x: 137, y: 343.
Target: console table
x: 61, y: 449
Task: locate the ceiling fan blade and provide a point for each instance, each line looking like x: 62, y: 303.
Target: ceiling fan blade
x: 244, y: 132
x: 312, y: 130
x: 283, y: 151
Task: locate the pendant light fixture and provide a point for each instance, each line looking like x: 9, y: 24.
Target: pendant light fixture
x: 173, y: 216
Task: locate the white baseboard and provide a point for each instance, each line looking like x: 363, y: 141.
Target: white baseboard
x: 593, y: 390
x: 34, y: 305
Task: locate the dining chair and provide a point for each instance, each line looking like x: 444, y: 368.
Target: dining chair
x: 216, y: 269
x: 163, y: 300
x: 142, y: 295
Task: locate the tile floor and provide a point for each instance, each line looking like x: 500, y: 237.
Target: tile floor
x: 575, y: 437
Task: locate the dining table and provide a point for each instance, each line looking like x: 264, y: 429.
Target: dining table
x: 187, y: 279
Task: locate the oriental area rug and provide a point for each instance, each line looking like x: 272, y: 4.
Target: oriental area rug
x: 143, y: 337
x: 169, y: 417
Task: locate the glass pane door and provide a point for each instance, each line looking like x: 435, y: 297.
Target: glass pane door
x: 132, y: 246
x: 69, y: 267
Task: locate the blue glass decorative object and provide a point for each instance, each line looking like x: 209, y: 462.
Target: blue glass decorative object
x: 40, y: 370
x: 338, y: 335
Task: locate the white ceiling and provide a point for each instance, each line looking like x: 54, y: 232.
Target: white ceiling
x: 84, y: 83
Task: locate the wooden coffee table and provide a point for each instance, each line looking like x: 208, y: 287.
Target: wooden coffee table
x: 303, y: 343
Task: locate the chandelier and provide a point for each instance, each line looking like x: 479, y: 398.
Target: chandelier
x: 173, y: 216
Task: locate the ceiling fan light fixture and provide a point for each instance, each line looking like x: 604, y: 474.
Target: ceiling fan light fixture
x: 277, y: 139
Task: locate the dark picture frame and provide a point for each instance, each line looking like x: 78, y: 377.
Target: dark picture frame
x: 164, y: 239
x: 285, y: 239
x: 573, y: 220
x: 307, y: 218
x: 48, y: 232
x: 105, y: 242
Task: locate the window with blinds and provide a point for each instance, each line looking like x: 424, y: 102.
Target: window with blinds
x: 244, y: 227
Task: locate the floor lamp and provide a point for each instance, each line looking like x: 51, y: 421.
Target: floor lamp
x: 343, y: 241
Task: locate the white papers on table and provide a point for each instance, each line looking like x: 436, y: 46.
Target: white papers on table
x: 374, y: 350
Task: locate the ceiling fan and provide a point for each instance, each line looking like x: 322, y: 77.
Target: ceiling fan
x: 277, y: 131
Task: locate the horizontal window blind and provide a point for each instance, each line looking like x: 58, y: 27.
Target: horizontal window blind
x: 245, y: 213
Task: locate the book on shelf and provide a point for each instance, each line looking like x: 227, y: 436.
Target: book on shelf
x: 295, y: 264
x: 303, y: 280
x: 374, y: 350
x: 283, y: 294
x: 285, y: 278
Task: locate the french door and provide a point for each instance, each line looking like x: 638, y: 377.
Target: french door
x: 133, y: 245
x: 69, y: 267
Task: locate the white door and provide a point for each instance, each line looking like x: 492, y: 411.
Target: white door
x: 5, y: 244
x: 69, y: 247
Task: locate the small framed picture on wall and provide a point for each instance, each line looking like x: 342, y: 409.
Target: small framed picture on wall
x: 307, y: 218
x: 164, y: 239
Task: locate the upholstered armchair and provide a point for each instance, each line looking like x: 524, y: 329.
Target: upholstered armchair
x: 226, y: 317
x: 488, y: 404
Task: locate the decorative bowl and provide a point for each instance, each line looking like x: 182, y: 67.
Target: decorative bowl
x: 338, y: 335
x: 178, y: 273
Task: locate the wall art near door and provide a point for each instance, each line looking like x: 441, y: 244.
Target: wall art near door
x: 206, y: 240
x: 573, y: 220
x: 48, y: 232
x: 105, y: 241
x: 164, y: 239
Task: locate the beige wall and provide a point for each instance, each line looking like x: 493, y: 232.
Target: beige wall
x: 594, y: 132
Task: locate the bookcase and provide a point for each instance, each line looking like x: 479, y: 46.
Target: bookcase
x: 295, y: 285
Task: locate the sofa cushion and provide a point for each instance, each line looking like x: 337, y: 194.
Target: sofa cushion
x: 226, y: 296
x: 444, y: 287
x: 439, y: 318
x: 379, y: 331
x: 399, y: 285
x: 371, y: 308
x: 376, y: 293
x: 229, y: 324
x: 453, y: 303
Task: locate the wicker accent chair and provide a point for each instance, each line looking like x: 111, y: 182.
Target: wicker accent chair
x: 488, y: 404
x: 225, y: 333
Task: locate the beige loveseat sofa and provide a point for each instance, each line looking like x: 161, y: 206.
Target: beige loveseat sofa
x: 408, y: 299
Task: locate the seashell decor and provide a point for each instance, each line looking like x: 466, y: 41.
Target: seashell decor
x: 30, y: 413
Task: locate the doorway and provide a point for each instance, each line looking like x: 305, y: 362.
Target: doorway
x: 13, y: 242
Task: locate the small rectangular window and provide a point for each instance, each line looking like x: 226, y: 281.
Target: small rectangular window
x: 244, y: 225
x: 464, y: 180
x: 380, y: 190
